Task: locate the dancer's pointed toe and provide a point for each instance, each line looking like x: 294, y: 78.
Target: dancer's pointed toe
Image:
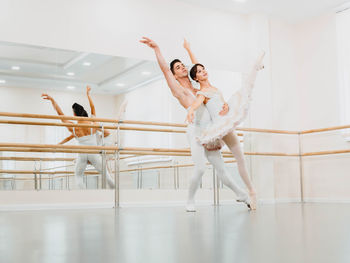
x: 190, y: 208
x: 253, y: 200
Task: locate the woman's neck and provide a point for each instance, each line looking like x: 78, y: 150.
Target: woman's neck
x: 205, y: 84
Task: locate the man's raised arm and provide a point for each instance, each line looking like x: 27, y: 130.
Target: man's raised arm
x: 174, y: 86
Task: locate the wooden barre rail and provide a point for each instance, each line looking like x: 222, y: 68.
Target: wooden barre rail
x: 125, y: 128
x: 95, y: 152
x: 88, y: 147
x: 266, y: 130
x: 135, y: 150
x: 41, y: 172
x: 326, y: 152
x: 59, y: 146
x: 95, y: 148
x: 46, y: 159
x: 225, y: 155
x: 43, y: 159
x: 325, y: 129
x: 126, y: 150
x: 54, y: 117
x: 50, y: 150
x: 122, y: 128
x: 43, y: 116
x: 149, y: 123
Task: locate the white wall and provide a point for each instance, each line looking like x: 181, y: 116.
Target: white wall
x: 317, y: 72
x: 306, y: 96
x: 286, y: 103
x: 316, y: 43
x: 304, y: 73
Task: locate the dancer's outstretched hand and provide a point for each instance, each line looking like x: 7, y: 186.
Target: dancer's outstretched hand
x: 46, y: 97
x: 224, y: 110
x: 149, y: 42
x: 186, y: 44
x: 88, y: 89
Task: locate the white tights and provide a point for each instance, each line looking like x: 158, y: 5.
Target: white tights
x: 199, y: 156
x: 96, y: 161
x: 232, y: 142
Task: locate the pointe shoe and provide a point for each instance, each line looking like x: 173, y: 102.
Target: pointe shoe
x: 253, y: 201
x: 259, y: 63
x: 190, y: 208
x: 244, y: 199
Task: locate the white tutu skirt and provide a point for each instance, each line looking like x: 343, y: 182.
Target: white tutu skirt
x: 211, y: 136
x: 222, y: 125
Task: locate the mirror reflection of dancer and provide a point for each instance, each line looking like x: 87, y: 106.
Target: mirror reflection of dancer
x: 223, y: 127
x: 182, y: 89
x: 84, y: 136
x: 103, y: 137
x: 107, y: 137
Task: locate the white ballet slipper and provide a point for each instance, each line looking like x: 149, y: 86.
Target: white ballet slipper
x: 190, y: 207
x: 244, y: 199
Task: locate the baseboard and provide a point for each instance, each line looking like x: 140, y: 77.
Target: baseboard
x: 326, y: 200
x: 280, y: 200
x: 163, y: 204
x: 65, y: 206
x: 205, y: 203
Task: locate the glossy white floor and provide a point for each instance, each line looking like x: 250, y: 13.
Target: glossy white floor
x: 279, y: 233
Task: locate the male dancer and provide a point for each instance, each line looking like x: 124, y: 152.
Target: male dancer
x: 182, y: 89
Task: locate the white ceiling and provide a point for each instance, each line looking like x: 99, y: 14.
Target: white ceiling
x: 291, y: 10
x: 47, y: 68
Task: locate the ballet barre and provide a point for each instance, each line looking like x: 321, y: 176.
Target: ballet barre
x: 50, y: 150
x: 334, y: 128
x: 34, y: 159
x: 97, y: 126
x: 93, y: 119
x: 113, y: 149
x: 119, y: 122
x: 124, y: 125
x: 46, y: 159
x: 149, y: 123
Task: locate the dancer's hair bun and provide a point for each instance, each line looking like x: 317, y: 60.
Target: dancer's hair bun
x: 79, y: 110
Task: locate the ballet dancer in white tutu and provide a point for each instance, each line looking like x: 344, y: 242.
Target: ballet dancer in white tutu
x: 223, y: 126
